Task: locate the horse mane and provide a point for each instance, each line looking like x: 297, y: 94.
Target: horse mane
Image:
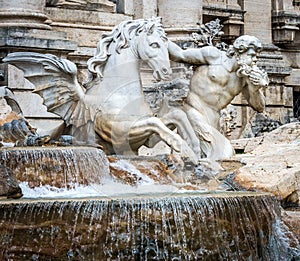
x: 121, y: 36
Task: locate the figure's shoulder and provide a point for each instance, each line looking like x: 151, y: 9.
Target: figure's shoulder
x: 211, y: 53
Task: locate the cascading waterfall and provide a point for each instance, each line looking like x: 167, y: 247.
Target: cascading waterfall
x: 146, y: 221
x: 217, y: 226
x: 56, y: 166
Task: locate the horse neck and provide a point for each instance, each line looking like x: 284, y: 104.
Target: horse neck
x: 124, y: 65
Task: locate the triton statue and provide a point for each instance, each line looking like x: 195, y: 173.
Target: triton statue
x: 217, y: 79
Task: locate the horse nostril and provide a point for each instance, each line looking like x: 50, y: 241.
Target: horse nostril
x: 165, y: 70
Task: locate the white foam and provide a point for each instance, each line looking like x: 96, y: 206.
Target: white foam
x: 130, y: 168
x: 109, y: 189
x: 53, y: 192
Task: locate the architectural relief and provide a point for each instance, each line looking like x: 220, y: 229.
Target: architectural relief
x: 75, y: 30
x: 112, y: 104
x: 75, y: 39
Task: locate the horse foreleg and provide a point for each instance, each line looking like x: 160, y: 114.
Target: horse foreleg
x: 179, y: 118
x: 155, y: 125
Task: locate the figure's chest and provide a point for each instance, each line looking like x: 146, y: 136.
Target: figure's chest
x: 224, y: 79
x: 218, y: 74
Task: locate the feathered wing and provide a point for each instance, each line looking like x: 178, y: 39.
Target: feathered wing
x: 56, y: 82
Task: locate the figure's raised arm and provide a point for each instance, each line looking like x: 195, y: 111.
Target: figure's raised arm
x: 195, y: 56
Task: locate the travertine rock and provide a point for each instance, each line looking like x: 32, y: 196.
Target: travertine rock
x: 9, y: 186
x: 274, y: 166
x: 292, y: 220
x: 285, y: 134
x: 138, y: 170
x: 14, y: 128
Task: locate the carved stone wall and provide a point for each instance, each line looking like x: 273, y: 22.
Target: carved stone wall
x: 286, y: 34
x: 23, y: 13
x: 71, y: 29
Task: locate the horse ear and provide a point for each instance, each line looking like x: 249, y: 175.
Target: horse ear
x: 151, y: 29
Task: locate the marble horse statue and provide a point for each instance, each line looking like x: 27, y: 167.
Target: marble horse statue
x: 111, y: 106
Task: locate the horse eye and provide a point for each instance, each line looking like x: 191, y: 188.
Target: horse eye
x: 154, y: 45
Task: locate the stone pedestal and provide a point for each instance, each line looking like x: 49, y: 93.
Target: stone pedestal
x: 23, y: 13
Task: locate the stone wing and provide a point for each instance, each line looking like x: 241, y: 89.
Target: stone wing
x: 56, y: 82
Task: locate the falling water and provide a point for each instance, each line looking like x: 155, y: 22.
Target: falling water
x: 56, y: 166
x: 238, y: 226
x: 145, y: 222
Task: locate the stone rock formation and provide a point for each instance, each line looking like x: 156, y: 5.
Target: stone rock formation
x: 9, y: 186
x: 292, y: 220
x: 273, y: 165
x: 14, y: 128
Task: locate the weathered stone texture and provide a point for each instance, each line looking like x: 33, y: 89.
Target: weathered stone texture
x: 23, y: 13
x: 292, y: 220
x: 294, y: 78
x: 16, y: 80
x: 292, y: 58
x: 143, y: 8
x: 9, y: 186
x: 278, y: 95
x: 285, y: 22
x: 84, y: 37
x: 21, y: 38
x: 178, y: 15
x: 281, y: 114
x: 82, y: 17
x: 274, y: 165
x: 32, y: 104
x: 93, y: 5
x: 126, y: 7
x: 258, y: 19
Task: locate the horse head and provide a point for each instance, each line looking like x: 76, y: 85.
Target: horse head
x: 151, y: 46
x: 145, y: 38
